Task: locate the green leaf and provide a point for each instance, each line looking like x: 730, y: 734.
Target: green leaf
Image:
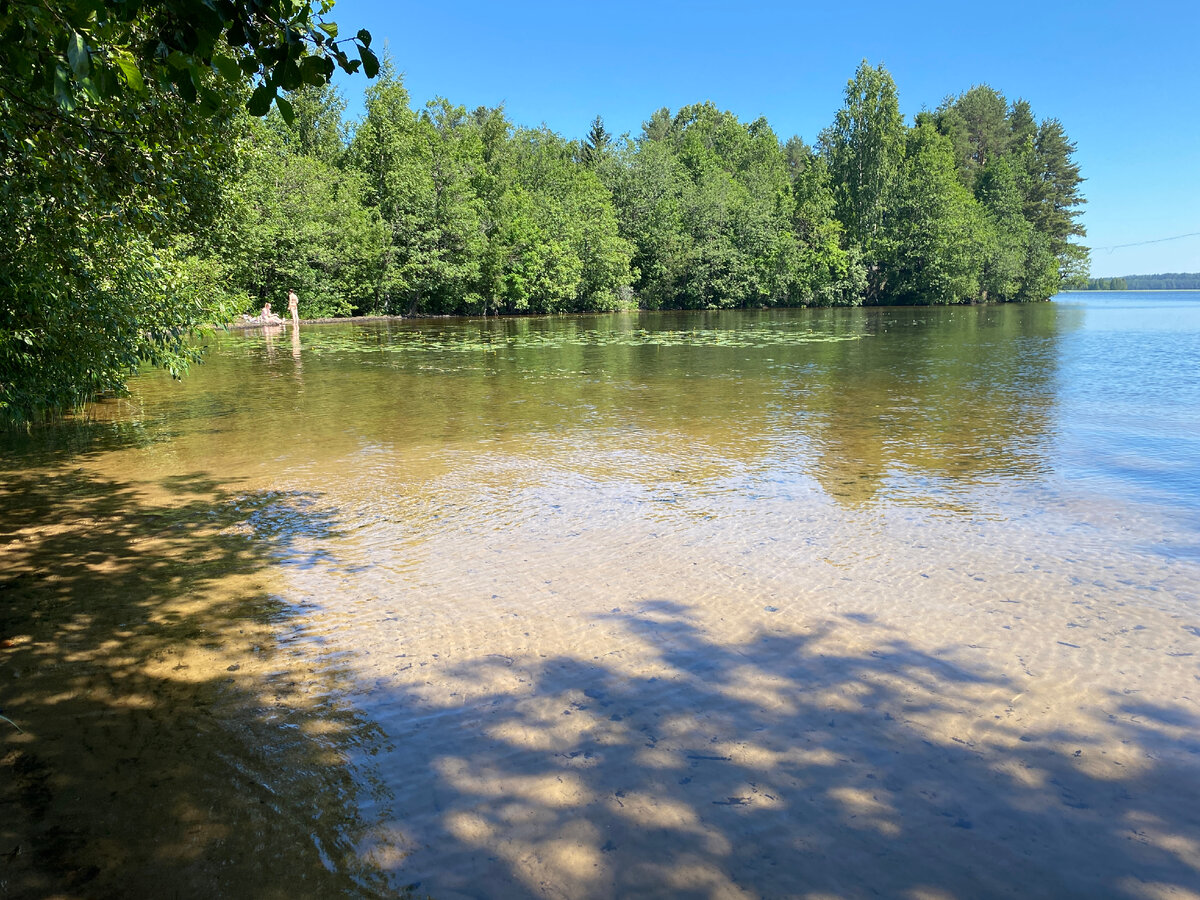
x: 364, y: 37
x: 288, y: 76
x: 330, y: 28
x: 106, y: 81
x: 77, y: 54
x: 129, y: 69
x: 369, y: 61
x: 185, y: 84
x: 260, y: 101
x: 88, y: 86
x: 285, y: 110
x: 228, y: 67
x: 210, y: 100
x: 316, y: 70
x: 62, y: 89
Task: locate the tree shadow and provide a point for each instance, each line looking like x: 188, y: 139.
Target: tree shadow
x: 178, y: 737
x: 834, y: 761
x: 183, y: 736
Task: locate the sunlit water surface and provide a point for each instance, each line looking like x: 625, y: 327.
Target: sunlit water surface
x: 896, y: 602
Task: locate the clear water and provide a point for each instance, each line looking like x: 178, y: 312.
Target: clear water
x: 704, y: 604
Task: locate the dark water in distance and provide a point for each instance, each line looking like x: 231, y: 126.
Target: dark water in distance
x: 551, y: 605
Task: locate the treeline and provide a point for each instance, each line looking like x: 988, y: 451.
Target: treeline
x: 448, y: 211
x: 168, y: 166
x: 1107, y: 284
x: 1169, y: 281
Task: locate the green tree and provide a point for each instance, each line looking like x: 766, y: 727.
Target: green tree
x: 1022, y: 129
x: 707, y: 205
x: 823, y: 272
x: 455, y: 239
x: 865, y: 151
x: 1007, y: 234
x: 977, y: 124
x: 648, y: 194
x: 394, y: 154
x: 59, y: 57
x: 84, y: 204
x: 556, y: 245
x: 596, y: 144
x: 318, y: 126
x: 293, y: 221
x: 1054, y: 197
x: 115, y: 122
x: 938, y: 238
x: 658, y: 125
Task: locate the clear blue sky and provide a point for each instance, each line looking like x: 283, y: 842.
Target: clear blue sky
x: 1122, y: 77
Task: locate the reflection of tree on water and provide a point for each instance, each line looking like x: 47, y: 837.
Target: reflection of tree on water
x: 918, y: 404
x: 173, y: 746
x: 934, y: 403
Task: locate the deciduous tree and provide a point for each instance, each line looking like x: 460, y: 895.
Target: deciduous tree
x: 865, y: 151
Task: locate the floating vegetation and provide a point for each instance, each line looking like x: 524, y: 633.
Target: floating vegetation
x: 473, y: 342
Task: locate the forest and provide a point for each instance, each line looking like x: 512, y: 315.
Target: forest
x: 1168, y: 281
x: 164, y: 174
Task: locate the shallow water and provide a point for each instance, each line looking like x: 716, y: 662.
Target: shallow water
x: 795, y: 603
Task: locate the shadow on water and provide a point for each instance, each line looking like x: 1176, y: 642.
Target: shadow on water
x: 840, y: 761
x: 172, y: 743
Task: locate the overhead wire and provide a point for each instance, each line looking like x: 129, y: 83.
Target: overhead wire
x: 1173, y: 237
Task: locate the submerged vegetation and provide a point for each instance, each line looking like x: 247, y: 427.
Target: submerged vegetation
x: 162, y: 172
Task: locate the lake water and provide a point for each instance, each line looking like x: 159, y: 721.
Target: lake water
x: 813, y: 603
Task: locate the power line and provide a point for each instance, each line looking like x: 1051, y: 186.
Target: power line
x: 1174, y: 237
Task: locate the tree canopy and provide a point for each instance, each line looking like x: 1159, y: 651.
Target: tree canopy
x: 171, y: 165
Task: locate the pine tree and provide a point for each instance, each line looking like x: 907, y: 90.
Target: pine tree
x: 596, y: 144
x: 1054, y: 196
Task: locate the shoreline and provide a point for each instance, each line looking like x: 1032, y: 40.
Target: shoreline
x: 354, y: 320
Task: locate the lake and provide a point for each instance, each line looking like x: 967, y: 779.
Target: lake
x: 813, y: 603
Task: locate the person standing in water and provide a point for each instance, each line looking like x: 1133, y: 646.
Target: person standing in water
x: 294, y: 308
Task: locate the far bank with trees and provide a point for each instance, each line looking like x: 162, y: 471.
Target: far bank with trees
x: 1169, y: 281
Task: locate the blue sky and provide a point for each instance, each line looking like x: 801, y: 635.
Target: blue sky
x: 1123, y: 78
